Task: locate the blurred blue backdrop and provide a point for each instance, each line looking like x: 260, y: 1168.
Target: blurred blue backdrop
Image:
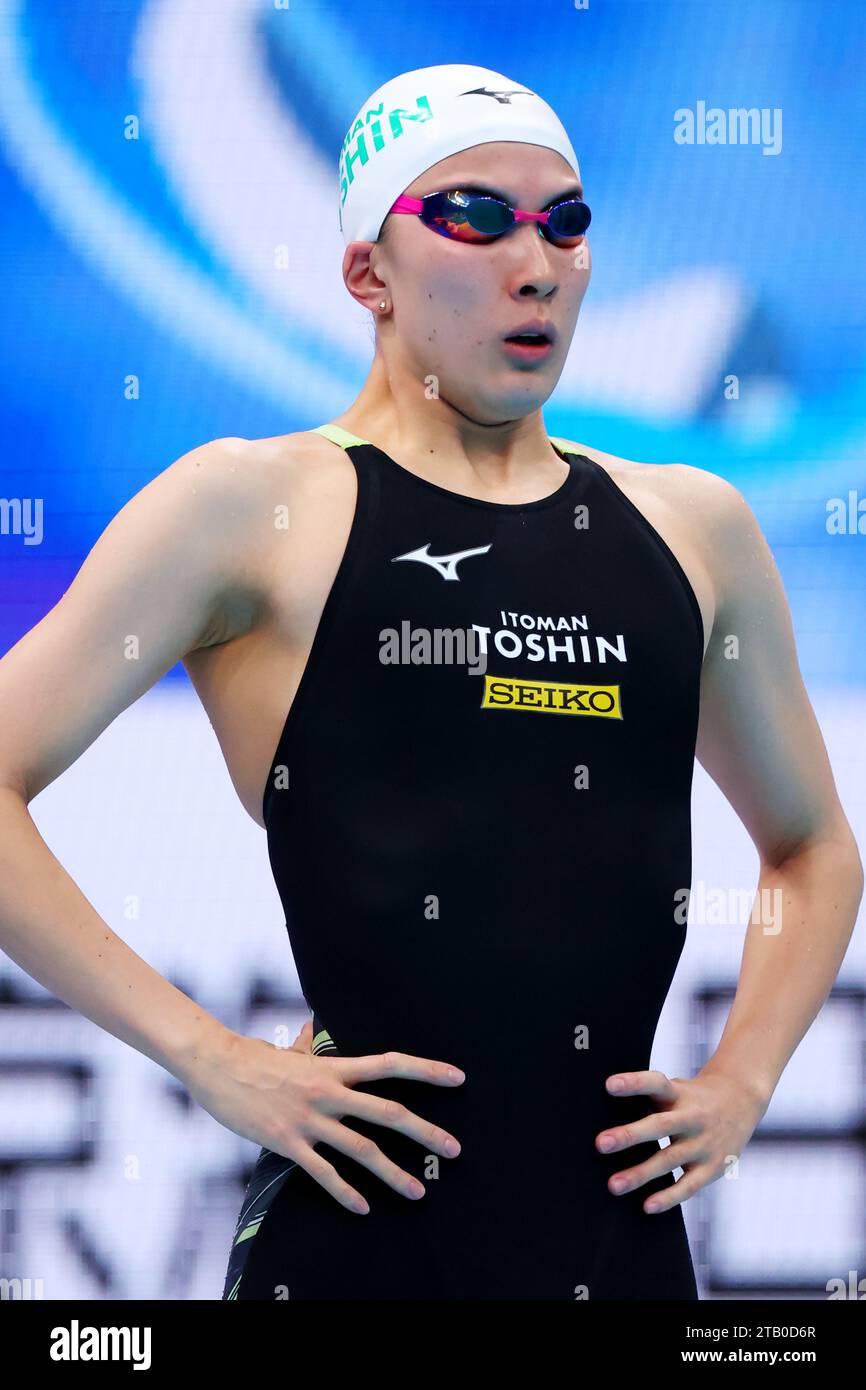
x: 169, y: 190
x: 171, y: 274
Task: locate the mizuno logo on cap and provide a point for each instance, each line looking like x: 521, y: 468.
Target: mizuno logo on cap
x: 446, y: 565
x: 504, y: 98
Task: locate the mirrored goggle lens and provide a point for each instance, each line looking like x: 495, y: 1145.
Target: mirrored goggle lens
x: 569, y: 221
x: 477, y: 218
x: 466, y: 216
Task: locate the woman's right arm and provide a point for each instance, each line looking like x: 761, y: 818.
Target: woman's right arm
x: 149, y: 591
x: 153, y: 588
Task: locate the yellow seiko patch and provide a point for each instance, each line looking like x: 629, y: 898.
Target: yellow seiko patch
x: 551, y: 697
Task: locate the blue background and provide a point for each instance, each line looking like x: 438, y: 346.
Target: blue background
x: 202, y: 259
x: 780, y: 238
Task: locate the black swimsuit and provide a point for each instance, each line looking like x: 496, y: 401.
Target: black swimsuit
x: 478, y: 862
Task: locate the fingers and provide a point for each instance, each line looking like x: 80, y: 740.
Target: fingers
x: 364, y: 1151
x: 393, y: 1115
x: 662, y: 1124
x: 304, y: 1041
x: 641, y: 1083
x: 679, y: 1191
x: 665, y: 1161
x: 327, y: 1092
x: 352, y: 1070
x: 326, y: 1175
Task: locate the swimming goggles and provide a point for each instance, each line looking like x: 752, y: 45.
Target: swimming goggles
x: 480, y: 219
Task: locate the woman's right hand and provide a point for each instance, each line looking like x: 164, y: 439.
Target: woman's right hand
x: 288, y: 1099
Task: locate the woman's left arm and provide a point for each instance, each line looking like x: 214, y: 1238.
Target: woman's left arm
x: 759, y: 740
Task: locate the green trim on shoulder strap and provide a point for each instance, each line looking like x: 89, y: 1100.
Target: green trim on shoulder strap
x: 346, y: 439
x: 567, y: 446
x: 338, y: 435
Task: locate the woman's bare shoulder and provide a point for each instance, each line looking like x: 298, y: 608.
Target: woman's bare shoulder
x: 299, y: 458
x: 698, y: 493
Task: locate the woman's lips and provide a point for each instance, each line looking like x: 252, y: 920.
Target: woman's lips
x: 527, y: 351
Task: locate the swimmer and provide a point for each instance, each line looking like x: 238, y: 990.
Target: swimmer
x: 453, y: 846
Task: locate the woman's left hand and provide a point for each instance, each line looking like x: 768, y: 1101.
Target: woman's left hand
x: 709, y: 1120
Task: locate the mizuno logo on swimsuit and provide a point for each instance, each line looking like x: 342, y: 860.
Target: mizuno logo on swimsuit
x: 446, y: 565
x: 552, y: 697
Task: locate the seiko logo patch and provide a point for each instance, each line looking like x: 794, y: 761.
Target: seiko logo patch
x: 551, y: 697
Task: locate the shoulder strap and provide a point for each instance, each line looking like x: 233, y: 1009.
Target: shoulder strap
x: 565, y: 446
x: 338, y: 435
x: 346, y: 439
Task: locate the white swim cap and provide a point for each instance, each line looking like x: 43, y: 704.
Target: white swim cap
x: 423, y: 116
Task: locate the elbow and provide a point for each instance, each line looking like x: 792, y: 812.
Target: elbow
x: 848, y: 864
x: 858, y: 870
x: 14, y: 789
x: 836, y: 844
x: 850, y: 852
